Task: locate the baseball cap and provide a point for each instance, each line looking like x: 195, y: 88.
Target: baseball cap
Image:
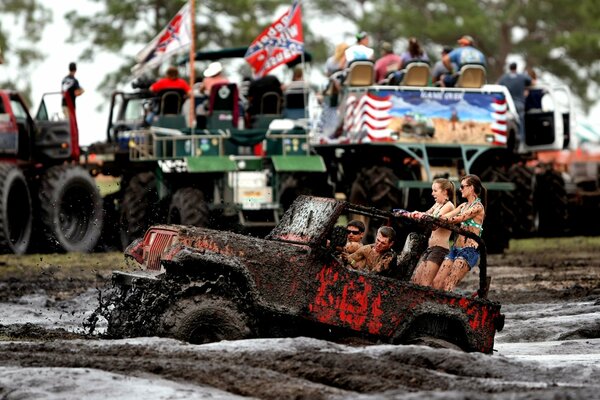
x: 361, y: 35
x: 466, y: 39
x: 387, y: 47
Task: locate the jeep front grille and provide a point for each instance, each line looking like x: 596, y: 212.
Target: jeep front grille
x: 157, y: 243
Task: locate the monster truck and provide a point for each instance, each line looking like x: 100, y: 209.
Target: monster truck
x: 201, y: 285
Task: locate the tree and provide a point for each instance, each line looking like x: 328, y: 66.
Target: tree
x: 23, y: 23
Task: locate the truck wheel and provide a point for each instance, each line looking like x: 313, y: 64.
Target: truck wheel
x: 435, y: 330
x: 376, y: 187
x: 206, y: 319
x: 500, y: 218
x: 15, y: 210
x: 551, y: 203
x: 188, y: 207
x: 137, y: 207
x: 525, y: 181
x: 294, y: 185
x: 70, y: 209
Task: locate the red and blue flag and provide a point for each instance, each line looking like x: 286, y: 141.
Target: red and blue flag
x: 279, y: 43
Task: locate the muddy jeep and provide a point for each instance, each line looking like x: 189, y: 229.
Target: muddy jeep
x: 201, y: 285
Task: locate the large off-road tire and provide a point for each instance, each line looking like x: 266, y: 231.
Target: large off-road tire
x: 296, y: 184
x: 499, y: 215
x: 525, y: 182
x: 437, y: 331
x: 204, y: 319
x: 138, y: 207
x: 188, y: 207
x: 551, y: 203
x: 16, y: 219
x: 376, y: 187
x: 70, y: 209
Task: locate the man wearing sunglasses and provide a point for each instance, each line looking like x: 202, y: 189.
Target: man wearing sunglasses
x: 356, y: 232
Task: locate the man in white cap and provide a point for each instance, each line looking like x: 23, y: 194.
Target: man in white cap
x: 459, y: 57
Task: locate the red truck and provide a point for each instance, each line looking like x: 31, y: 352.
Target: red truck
x: 201, y: 285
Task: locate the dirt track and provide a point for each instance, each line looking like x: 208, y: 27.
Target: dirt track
x: 310, y: 368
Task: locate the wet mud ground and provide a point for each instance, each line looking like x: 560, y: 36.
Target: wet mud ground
x: 550, y: 347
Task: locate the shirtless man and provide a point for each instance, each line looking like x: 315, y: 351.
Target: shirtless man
x: 443, y: 193
x: 376, y: 257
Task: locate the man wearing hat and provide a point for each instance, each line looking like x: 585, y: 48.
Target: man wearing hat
x: 360, y: 50
x: 459, y: 57
x: 212, y: 75
x: 388, y: 62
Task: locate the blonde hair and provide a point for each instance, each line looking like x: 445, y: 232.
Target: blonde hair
x: 339, y: 51
x: 448, y: 186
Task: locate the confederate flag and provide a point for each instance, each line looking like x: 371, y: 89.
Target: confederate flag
x: 279, y: 43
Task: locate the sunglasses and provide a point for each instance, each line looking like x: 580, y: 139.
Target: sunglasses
x: 351, y: 232
x: 464, y: 186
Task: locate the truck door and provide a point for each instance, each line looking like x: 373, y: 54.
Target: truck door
x: 547, y: 118
x: 54, y: 138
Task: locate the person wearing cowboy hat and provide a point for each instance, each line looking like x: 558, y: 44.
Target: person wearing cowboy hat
x: 212, y: 75
x: 465, y: 54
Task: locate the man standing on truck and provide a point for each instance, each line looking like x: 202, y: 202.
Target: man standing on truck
x: 517, y: 84
x: 70, y: 85
x: 377, y: 257
x: 464, y: 55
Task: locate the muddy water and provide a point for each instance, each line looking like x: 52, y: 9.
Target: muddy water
x: 549, y: 348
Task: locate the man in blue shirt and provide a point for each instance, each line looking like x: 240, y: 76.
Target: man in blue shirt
x: 459, y: 57
x: 517, y: 84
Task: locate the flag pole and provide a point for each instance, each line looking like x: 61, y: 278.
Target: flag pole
x: 192, y: 115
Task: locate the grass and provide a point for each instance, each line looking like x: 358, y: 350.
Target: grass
x: 537, y: 245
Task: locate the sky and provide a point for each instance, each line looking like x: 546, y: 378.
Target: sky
x: 93, y: 122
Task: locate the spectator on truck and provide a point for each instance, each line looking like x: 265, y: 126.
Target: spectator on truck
x: 439, y: 69
x: 464, y: 55
x: 388, y: 62
x: 378, y: 257
x: 360, y: 50
x: 517, y: 84
x: 70, y: 86
x: 443, y: 193
x: 413, y: 53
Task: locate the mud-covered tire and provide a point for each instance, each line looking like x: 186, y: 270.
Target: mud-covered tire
x: 500, y: 217
x: 296, y: 184
x: 205, y: 319
x: 16, y: 218
x: 137, y: 207
x: 70, y: 209
x: 551, y: 203
x: 376, y: 187
x: 524, y: 179
x: 188, y: 207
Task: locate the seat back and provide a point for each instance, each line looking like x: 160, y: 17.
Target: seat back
x: 294, y: 103
x: 360, y: 73
x: 416, y: 74
x: 471, y: 76
x: 270, y: 103
x: 223, y: 106
x: 170, y: 101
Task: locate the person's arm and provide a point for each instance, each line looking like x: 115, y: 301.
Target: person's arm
x: 468, y: 214
x: 358, y: 255
x: 447, y: 62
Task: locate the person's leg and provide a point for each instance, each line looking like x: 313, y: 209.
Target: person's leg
x: 457, y: 272
x: 442, y: 274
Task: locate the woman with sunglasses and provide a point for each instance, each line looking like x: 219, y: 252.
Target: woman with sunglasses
x: 464, y: 253
x: 444, y: 194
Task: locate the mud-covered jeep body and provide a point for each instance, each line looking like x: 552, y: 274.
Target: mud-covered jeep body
x: 202, y: 285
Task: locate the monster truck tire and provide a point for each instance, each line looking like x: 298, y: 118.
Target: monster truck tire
x: 376, y: 187
x: 436, y: 331
x: 70, y: 209
x: 139, y: 201
x: 500, y: 217
x: 524, y: 210
x: 206, y: 319
x: 551, y: 203
x: 188, y: 207
x: 15, y: 210
x: 312, y: 184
